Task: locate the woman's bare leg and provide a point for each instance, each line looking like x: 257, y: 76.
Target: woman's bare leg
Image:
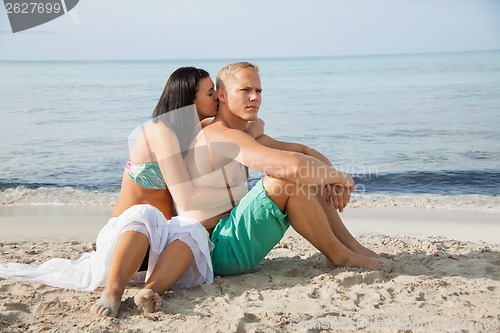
x: 170, y: 267
x: 126, y: 260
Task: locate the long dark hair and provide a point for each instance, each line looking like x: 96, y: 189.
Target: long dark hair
x: 179, y: 92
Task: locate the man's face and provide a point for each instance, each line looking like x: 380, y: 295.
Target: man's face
x: 243, y: 94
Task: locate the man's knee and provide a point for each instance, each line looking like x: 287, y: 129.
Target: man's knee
x: 280, y: 190
x: 277, y: 187
x: 276, y: 190
x: 285, y: 189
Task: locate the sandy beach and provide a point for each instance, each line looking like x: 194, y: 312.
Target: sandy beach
x: 445, y: 277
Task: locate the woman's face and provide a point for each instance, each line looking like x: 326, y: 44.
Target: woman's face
x: 205, y: 99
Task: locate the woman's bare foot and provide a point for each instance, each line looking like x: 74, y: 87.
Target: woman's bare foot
x: 147, y: 300
x: 109, y: 303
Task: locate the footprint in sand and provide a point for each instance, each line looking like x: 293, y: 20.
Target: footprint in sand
x: 297, y: 272
x: 349, y: 278
x: 54, y: 306
x: 490, y: 269
x: 492, y: 288
x: 250, y: 318
x: 17, y: 307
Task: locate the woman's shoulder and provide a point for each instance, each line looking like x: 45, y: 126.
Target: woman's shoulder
x: 158, y: 127
x: 159, y: 130
x: 161, y: 138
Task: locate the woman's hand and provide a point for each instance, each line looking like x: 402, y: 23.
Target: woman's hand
x: 255, y: 128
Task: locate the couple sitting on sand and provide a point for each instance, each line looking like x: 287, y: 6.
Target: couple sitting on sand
x: 201, y: 171
x: 179, y: 175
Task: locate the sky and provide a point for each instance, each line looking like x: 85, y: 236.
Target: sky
x: 228, y: 29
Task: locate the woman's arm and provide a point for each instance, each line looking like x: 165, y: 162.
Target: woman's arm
x: 165, y: 146
x: 255, y: 128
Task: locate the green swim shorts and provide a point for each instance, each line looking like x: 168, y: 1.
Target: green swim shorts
x: 248, y: 234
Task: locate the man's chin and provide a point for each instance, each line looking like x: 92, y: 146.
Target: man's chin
x: 251, y: 116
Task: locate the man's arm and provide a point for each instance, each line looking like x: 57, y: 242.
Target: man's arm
x: 338, y: 196
x: 282, y: 163
x: 291, y: 146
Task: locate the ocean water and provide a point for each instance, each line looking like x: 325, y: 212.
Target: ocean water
x: 413, y: 130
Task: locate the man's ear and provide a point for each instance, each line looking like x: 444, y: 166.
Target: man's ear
x: 221, y: 95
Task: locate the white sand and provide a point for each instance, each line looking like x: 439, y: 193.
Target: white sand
x: 437, y: 284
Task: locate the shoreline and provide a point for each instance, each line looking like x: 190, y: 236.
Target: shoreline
x: 70, y: 196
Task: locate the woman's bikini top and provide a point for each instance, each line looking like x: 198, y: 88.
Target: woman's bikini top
x: 146, y: 174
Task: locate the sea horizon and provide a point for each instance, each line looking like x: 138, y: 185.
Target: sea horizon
x: 298, y: 57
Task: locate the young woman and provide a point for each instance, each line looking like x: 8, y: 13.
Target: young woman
x: 158, y: 154
x: 143, y: 228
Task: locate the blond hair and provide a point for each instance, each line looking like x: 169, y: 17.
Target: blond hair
x: 230, y: 70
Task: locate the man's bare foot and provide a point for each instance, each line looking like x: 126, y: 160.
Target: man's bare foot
x: 365, y: 251
x: 147, y: 300
x: 355, y: 246
x: 108, y: 305
x: 357, y: 260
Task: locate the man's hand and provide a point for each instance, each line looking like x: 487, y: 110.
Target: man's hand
x: 339, y: 195
x: 255, y: 128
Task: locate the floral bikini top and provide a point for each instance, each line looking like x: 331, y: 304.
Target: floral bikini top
x: 146, y: 174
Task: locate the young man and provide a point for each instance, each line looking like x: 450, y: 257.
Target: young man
x: 301, y: 187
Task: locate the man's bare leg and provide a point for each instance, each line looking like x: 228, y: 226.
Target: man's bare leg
x: 173, y: 262
x: 126, y: 260
x: 340, y: 230
x: 309, y: 219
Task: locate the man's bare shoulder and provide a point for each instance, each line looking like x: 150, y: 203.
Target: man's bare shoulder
x: 219, y: 131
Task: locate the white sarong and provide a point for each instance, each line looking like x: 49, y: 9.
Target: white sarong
x: 90, y: 270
